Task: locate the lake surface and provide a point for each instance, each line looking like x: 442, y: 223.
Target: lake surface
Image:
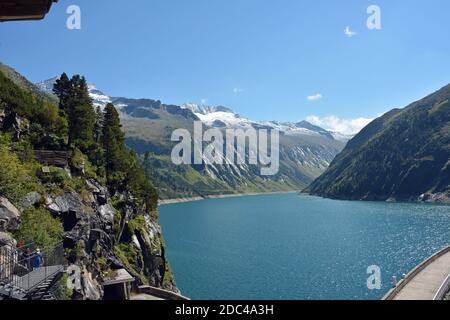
x: 288, y: 246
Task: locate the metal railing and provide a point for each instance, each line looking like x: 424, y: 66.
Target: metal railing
x: 443, y: 290
x: 21, y: 272
x: 410, y: 276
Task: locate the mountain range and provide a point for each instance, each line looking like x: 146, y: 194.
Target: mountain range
x: 305, y: 150
x: 403, y: 155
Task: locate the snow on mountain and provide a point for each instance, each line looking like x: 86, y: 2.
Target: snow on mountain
x: 47, y: 85
x: 204, y: 109
x: 341, y: 136
x: 222, y: 117
x: 99, y: 99
x: 218, y: 116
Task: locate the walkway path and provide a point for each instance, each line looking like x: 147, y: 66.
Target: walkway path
x: 428, y: 281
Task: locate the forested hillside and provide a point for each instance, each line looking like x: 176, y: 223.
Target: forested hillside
x: 66, y: 175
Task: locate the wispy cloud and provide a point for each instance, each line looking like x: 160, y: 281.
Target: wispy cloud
x: 336, y: 124
x: 238, y: 90
x: 349, y: 33
x: 204, y: 101
x: 315, y: 97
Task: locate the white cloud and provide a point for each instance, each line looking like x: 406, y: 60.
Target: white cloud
x: 315, y: 97
x: 349, y: 33
x: 343, y: 126
x: 238, y: 90
x: 204, y: 101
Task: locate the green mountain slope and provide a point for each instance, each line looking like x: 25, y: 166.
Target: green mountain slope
x: 403, y: 155
x: 305, y: 150
x: 26, y: 85
x: 94, y: 199
x: 148, y: 125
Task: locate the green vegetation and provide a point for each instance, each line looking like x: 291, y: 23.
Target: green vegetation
x: 25, y: 85
x: 75, y: 253
x: 63, y: 292
x: 38, y: 226
x: 100, y: 137
x: 94, y: 143
x: 151, y: 124
x: 402, y: 155
x: 43, y: 116
x: 130, y: 257
x: 136, y: 224
x: 76, y: 104
x: 178, y: 181
x: 14, y: 182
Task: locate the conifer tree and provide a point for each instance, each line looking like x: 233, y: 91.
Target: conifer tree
x: 63, y: 89
x: 98, y: 125
x: 113, y: 141
x: 80, y: 113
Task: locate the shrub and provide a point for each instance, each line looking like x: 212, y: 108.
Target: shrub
x: 40, y: 227
x: 14, y: 177
x: 137, y: 223
x: 126, y: 253
x: 63, y: 292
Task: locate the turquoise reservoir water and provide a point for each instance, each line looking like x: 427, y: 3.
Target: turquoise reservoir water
x: 297, y: 247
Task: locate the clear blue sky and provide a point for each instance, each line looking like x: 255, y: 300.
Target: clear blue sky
x: 275, y: 52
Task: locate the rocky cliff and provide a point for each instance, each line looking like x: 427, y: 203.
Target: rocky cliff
x: 51, y: 192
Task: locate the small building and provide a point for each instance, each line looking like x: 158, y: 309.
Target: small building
x: 53, y: 158
x: 118, y: 285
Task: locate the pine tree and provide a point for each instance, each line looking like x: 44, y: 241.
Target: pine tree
x: 113, y: 141
x: 81, y: 114
x: 98, y: 124
x: 63, y: 89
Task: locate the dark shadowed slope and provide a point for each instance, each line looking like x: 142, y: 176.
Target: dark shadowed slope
x: 403, y: 155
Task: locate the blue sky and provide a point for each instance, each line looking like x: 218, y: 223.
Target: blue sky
x: 262, y: 58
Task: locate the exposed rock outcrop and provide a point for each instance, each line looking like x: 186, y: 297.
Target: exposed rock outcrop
x: 30, y: 200
x: 96, y: 232
x: 9, y: 216
x: 7, y: 240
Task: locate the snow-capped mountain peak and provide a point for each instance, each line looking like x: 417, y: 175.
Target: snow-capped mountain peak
x: 217, y: 116
x: 47, y: 85
x: 205, y: 109
x: 223, y: 117
x: 99, y: 99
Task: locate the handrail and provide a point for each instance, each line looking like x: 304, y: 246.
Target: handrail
x: 161, y: 293
x: 410, y: 276
x: 443, y: 290
x: 18, y: 275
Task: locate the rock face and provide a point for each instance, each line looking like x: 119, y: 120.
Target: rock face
x: 102, y: 232
x: 11, y: 122
x: 7, y: 240
x: 153, y: 252
x: 95, y: 230
x: 30, y: 200
x: 9, y: 216
x: 98, y: 237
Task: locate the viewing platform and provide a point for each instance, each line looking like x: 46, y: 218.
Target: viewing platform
x: 428, y: 281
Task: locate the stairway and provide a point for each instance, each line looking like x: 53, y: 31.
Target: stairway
x: 44, y: 290
x: 17, y: 283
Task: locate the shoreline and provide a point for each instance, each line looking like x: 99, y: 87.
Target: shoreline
x: 221, y: 196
